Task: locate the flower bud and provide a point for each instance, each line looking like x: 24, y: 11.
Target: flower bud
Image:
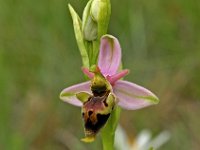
x: 95, y: 9
x: 95, y: 19
x: 90, y: 29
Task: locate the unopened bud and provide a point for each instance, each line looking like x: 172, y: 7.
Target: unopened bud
x: 95, y: 19
x: 90, y: 28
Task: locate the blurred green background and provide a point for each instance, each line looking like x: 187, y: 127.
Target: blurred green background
x: 39, y: 57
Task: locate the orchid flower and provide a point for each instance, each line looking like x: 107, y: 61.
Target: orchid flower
x: 99, y: 96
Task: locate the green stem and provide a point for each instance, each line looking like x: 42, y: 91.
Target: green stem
x: 108, y: 132
x: 90, y: 52
x: 96, y: 47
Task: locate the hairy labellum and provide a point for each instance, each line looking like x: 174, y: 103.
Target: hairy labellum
x: 96, y: 112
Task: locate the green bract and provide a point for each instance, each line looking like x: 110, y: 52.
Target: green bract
x: 79, y: 36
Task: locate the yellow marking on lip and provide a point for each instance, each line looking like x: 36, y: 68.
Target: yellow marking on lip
x: 88, y: 139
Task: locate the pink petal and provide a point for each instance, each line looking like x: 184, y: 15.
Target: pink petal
x: 69, y: 94
x: 132, y: 96
x: 109, y: 55
x: 87, y: 72
x: 112, y: 79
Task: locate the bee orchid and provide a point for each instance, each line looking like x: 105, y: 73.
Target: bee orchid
x: 105, y: 90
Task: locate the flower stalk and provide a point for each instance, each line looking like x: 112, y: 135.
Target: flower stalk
x: 108, y: 132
